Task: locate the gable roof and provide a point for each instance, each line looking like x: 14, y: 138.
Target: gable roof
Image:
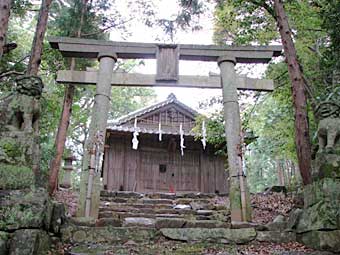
x: 124, y: 123
x: 171, y: 99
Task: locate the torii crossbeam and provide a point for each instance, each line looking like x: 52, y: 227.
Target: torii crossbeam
x: 168, y: 56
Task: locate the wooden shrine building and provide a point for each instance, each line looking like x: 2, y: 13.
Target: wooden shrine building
x: 157, y: 165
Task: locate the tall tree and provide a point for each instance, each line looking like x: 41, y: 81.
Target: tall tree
x: 255, y: 19
x: 32, y: 69
x: 65, y: 116
x: 38, y: 40
x: 5, y: 7
x: 302, y: 137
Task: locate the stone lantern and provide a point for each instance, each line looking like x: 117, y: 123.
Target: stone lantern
x: 68, y: 168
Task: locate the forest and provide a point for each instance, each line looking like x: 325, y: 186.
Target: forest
x: 289, y: 138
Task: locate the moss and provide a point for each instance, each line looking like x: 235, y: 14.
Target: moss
x: 10, y: 148
x: 15, y: 177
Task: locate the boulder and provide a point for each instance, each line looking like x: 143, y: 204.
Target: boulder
x: 29, y: 242
x: 327, y: 189
x: 276, y: 236
x: 219, y: 235
x: 279, y: 224
x: 25, y: 209
x: 320, y: 216
x: 322, y: 240
x: 293, y: 218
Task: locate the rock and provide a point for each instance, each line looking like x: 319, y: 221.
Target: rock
x: 327, y: 189
x: 182, y: 207
x: 24, y: 209
x: 320, y: 216
x: 294, y: 218
x: 140, y: 222
x: 157, y: 201
x: 169, y: 223
x: 58, y: 217
x: 108, y: 235
x: 197, y: 206
x: 276, y: 189
x: 238, y: 236
x: 204, y: 212
x: 326, y: 165
x: 83, y: 221
x: 108, y: 222
x: 4, y: 236
x: 205, y: 224
x: 29, y: 242
x: 129, y: 194
x: 242, y: 224
x: 322, y: 240
x: 279, y: 224
x: 276, y: 236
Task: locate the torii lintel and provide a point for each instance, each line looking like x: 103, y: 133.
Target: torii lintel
x: 89, y: 48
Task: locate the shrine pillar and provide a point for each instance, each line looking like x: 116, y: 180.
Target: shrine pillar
x: 90, y: 187
x: 239, y: 199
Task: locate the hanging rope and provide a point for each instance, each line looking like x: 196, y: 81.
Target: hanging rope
x: 160, y: 131
x: 204, y: 135
x: 135, y: 141
x: 181, y: 132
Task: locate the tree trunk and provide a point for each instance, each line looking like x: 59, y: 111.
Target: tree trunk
x: 280, y: 173
x: 5, y: 8
x: 37, y: 45
x: 302, y: 138
x: 65, y: 119
x: 32, y: 69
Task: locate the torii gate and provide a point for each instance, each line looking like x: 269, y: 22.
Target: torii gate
x: 168, y: 57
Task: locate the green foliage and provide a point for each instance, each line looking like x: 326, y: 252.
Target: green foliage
x: 15, y: 177
x: 215, y: 131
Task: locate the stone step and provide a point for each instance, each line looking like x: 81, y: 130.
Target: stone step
x: 161, y: 195
x: 121, y: 194
x: 115, y: 206
x: 146, y: 210
x: 160, y: 201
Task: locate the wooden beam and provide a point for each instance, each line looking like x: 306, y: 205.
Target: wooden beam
x: 88, y: 48
x: 149, y: 80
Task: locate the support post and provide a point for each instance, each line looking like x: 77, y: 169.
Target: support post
x: 237, y: 188
x: 96, y: 139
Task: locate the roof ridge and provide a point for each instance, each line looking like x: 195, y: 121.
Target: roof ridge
x: 170, y: 99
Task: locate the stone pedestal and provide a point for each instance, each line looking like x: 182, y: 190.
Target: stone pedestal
x: 319, y: 224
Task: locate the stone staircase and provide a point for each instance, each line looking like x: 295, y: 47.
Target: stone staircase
x: 145, y: 219
x: 163, y: 210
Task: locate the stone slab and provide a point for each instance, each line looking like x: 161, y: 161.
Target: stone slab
x: 276, y: 236
x: 139, y: 222
x: 109, y: 235
x: 219, y: 235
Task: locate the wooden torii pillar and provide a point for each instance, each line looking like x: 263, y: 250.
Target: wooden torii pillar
x: 167, y: 57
